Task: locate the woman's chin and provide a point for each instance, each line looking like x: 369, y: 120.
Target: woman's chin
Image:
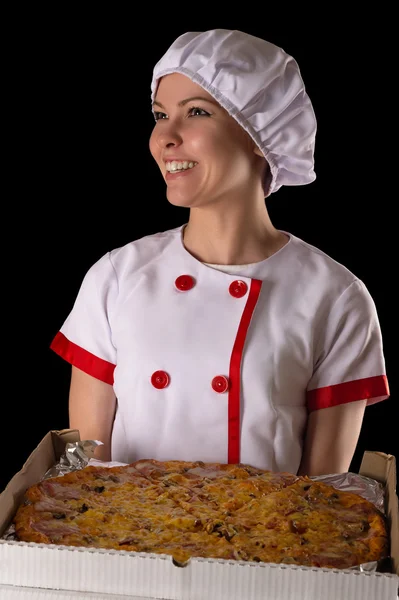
x: 182, y: 200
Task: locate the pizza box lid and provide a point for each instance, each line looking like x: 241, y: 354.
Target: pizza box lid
x: 70, y: 571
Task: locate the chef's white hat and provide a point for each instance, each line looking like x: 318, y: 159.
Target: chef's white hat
x: 260, y: 85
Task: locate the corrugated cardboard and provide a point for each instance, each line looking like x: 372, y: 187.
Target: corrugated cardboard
x: 69, y: 570
x: 8, y: 592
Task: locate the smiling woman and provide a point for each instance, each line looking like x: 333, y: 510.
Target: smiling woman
x: 225, y: 340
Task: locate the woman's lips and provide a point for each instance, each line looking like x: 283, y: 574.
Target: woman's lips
x: 170, y: 176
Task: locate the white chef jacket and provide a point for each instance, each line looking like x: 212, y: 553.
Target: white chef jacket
x: 220, y: 367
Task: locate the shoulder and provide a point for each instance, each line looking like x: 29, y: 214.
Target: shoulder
x: 320, y: 268
x: 329, y: 279
x: 312, y: 258
x: 142, y: 251
x: 139, y: 253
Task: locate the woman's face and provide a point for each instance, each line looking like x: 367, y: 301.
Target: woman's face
x: 204, y: 155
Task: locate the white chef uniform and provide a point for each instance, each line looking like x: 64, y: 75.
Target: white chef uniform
x: 213, y: 366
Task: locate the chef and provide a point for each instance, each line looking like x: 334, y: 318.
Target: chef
x: 225, y: 339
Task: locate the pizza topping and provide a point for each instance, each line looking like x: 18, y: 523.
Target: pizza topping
x: 303, y: 541
x: 297, y: 526
x: 168, y: 483
x: 57, y: 490
x: 107, y: 477
x: 54, y: 529
x: 48, y: 504
x: 272, y: 523
x: 129, y: 541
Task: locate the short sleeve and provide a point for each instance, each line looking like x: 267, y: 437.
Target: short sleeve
x: 85, y: 338
x: 349, y: 363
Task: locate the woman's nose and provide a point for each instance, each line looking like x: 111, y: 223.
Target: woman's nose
x: 169, y: 137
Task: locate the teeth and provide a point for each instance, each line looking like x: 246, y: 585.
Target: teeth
x: 174, y: 166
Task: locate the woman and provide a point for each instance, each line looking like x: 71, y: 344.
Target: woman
x: 225, y: 340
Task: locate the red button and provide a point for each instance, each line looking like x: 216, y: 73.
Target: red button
x: 238, y: 289
x: 160, y: 379
x: 220, y: 384
x: 184, y: 283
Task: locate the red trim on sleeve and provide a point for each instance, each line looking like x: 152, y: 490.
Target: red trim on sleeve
x: 82, y: 359
x: 372, y: 389
x: 234, y: 411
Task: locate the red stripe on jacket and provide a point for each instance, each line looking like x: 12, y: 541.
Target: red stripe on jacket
x: 372, y: 389
x: 234, y: 409
x: 83, y: 359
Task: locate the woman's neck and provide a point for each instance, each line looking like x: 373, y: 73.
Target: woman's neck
x: 232, y: 239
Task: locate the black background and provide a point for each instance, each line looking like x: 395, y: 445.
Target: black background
x: 82, y: 180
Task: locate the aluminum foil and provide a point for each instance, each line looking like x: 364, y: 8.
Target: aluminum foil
x: 370, y: 489
x: 78, y: 455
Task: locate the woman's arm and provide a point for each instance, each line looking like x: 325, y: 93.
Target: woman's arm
x: 331, y: 438
x: 92, y: 405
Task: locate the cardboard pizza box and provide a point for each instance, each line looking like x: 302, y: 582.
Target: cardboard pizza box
x: 27, y: 568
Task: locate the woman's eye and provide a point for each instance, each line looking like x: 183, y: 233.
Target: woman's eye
x: 159, y: 115
x: 195, y: 111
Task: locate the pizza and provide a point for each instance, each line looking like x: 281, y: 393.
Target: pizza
x: 212, y: 510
